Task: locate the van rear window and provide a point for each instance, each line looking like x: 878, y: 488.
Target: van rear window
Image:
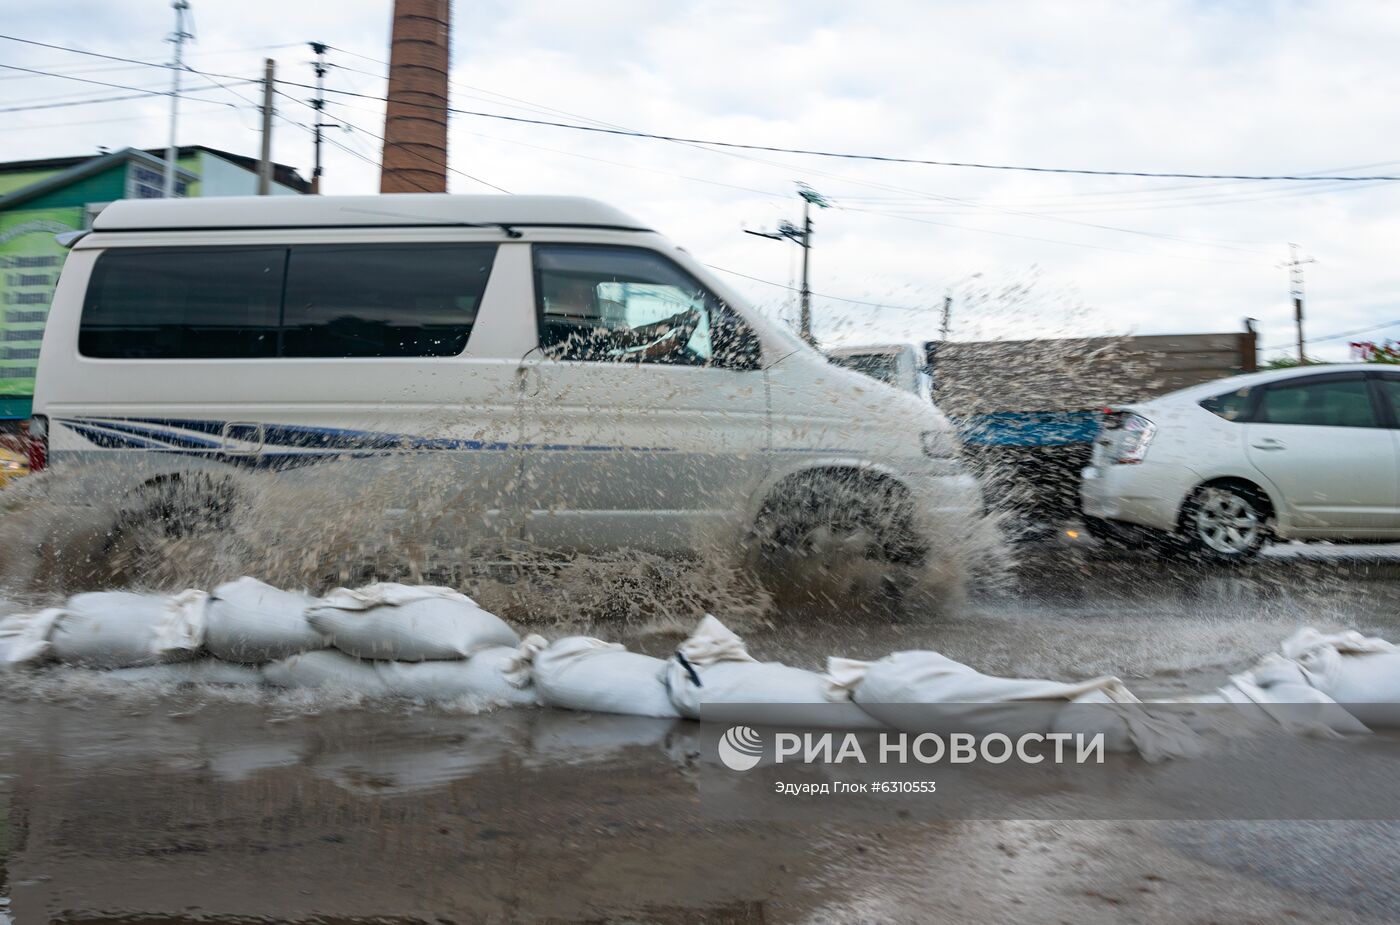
x: 352, y: 300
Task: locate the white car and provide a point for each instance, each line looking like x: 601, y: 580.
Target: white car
x: 1310, y: 453
x: 549, y: 368
x: 900, y: 365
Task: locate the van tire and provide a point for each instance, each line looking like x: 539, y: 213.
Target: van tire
x: 170, y: 508
x: 844, y: 538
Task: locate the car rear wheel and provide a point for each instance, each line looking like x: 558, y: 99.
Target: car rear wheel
x: 1225, y: 523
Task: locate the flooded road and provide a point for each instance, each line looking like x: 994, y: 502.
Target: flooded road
x: 136, y: 803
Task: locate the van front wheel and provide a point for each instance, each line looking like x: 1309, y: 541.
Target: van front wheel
x: 164, y: 511
x: 843, y: 539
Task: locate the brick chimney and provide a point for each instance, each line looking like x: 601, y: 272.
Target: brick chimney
x: 415, y: 122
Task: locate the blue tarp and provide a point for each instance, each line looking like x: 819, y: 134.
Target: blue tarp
x: 16, y: 409
x: 1030, y: 428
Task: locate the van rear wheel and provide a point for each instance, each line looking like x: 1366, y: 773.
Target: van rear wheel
x: 838, y: 539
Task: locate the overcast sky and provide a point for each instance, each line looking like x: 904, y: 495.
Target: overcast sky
x: 1207, y: 87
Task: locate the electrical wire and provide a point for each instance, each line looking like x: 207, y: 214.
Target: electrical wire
x: 103, y: 83
x: 420, y: 155
x: 1329, y: 337
x: 776, y: 149
x: 821, y: 295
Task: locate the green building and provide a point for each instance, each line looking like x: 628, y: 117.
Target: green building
x: 43, y: 198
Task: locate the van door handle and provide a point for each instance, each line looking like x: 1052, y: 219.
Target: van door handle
x: 1269, y: 443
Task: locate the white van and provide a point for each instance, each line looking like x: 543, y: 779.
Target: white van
x: 585, y: 383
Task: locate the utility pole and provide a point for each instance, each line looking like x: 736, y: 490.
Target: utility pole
x: 1294, y: 265
x: 319, y: 104
x: 265, y: 162
x: 802, y: 237
x: 947, y: 321
x: 172, y: 151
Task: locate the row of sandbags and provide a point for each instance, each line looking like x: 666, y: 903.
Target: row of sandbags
x: 432, y: 643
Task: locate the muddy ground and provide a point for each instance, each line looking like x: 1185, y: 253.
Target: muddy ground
x: 161, y: 805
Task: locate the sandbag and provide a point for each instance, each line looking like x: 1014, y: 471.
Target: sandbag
x: 1360, y: 672
x: 407, y: 623
x: 251, y: 622
x: 487, y: 676
x: 1274, y: 694
x: 583, y: 673
x: 120, y: 629
x: 925, y: 691
x: 1128, y: 727
x: 24, y: 637
x: 712, y: 668
x: 326, y: 668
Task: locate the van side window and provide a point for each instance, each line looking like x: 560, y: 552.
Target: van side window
x: 307, y: 300
x: 628, y: 304
x: 183, y: 303
x: 409, y: 300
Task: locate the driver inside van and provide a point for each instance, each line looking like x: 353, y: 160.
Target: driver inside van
x: 576, y: 329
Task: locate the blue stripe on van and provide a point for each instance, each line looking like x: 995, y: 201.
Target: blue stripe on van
x: 300, y: 445
x: 173, y: 438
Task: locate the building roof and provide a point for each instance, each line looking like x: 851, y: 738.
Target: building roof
x: 78, y: 169
x: 401, y: 209
x: 281, y: 173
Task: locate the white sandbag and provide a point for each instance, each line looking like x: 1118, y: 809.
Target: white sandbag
x: 1128, y: 727
x: 924, y: 691
x: 251, y: 622
x: 582, y: 673
x: 712, y: 667
x: 119, y: 629
x: 481, y: 677
x: 407, y: 623
x: 326, y: 668
x: 24, y: 637
x: 1298, y: 709
x: 199, y: 671
x: 1360, y: 672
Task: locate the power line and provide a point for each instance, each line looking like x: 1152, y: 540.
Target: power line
x: 1319, y: 340
x: 918, y: 194
x: 820, y: 295
x: 807, y: 152
x: 883, y: 158
x: 118, y: 99
x: 103, y: 83
x: 420, y: 155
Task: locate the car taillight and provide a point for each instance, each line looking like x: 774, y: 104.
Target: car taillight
x: 37, y: 443
x: 1134, y: 434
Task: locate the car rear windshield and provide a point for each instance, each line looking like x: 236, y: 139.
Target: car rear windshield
x: 350, y: 300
